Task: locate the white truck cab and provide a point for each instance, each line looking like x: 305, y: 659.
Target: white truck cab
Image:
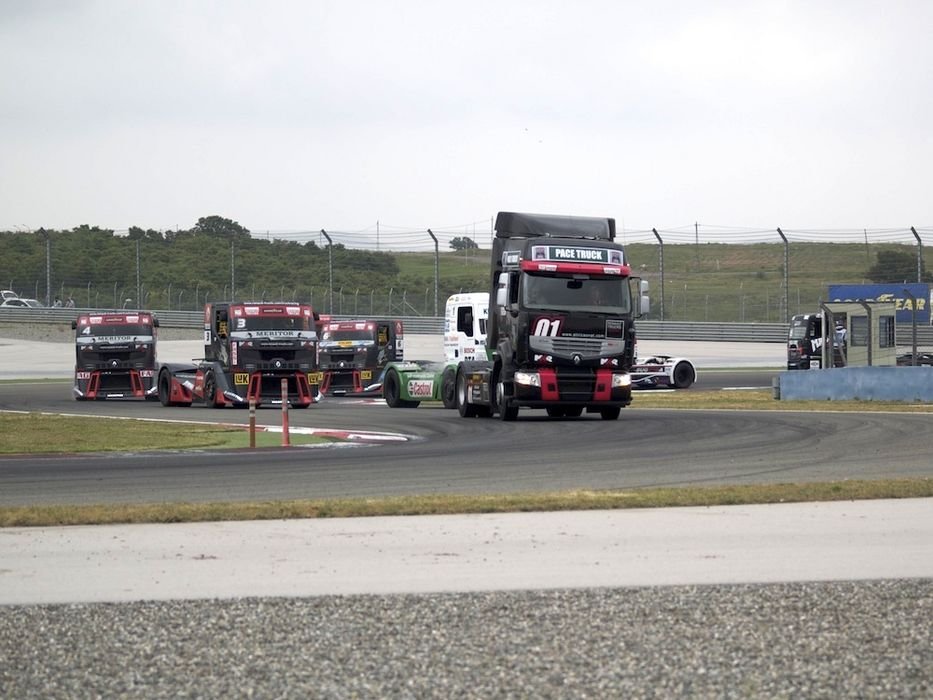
x: 465, y: 326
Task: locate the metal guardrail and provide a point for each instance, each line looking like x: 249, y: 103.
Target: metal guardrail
x: 427, y: 325
x: 431, y: 325
x: 713, y: 332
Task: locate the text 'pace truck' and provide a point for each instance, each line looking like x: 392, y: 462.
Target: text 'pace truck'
x: 249, y: 348
x: 115, y: 355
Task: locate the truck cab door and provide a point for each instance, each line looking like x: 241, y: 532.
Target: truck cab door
x: 220, y: 332
x: 385, y: 343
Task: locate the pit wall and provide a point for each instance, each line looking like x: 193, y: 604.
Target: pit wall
x: 911, y: 384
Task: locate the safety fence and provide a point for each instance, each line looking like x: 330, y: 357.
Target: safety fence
x: 428, y: 325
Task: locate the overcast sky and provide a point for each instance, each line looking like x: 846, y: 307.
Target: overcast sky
x: 292, y: 116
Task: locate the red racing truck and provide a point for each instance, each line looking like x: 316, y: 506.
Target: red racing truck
x: 352, y: 354
x: 249, y: 348
x: 115, y: 355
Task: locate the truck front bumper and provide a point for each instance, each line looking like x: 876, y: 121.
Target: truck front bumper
x: 545, y: 387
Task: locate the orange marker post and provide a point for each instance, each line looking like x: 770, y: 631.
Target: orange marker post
x: 285, y: 441
x: 252, y: 422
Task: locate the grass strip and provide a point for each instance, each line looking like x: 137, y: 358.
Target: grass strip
x: 848, y: 490
x: 38, y: 433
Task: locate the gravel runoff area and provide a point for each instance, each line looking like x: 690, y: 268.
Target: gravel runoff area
x: 816, y: 640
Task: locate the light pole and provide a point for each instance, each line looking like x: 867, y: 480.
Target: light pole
x: 330, y: 268
x: 786, y: 277
x: 436, y: 255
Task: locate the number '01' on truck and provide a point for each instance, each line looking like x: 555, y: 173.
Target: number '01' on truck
x: 561, y: 331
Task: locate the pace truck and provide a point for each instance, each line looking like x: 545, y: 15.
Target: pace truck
x: 249, y: 348
x: 115, y: 355
x: 561, y: 330
x: 352, y: 354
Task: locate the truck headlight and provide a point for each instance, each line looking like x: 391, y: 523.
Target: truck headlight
x: 527, y: 379
x: 621, y: 380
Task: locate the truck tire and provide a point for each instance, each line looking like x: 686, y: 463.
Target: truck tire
x: 165, y: 388
x: 610, y: 413
x: 464, y: 408
x: 392, y: 392
x: 449, y: 388
x: 683, y: 375
x: 507, y: 410
x: 210, y: 390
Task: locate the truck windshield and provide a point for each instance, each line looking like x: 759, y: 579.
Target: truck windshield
x: 599, y: 295
x: 122, y: 330
x: 272, y: 323
x: 802, y: 328
x: 351, y: 334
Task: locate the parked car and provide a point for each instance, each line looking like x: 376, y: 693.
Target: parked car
x: 16, y: 301
x: 907, y: 359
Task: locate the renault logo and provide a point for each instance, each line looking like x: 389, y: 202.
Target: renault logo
x: 278, y: 364
x: 577, y: 359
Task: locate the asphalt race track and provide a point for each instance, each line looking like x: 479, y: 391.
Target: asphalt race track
x: 448, y: 454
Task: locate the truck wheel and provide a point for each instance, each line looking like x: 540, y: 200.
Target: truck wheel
x: 392, y: 391
x: 610, y: 413
x: 449, y: 388
x: 165, y: 389
x: 507, y: 410
x: 683, y: 375
x: 210, y: 392
x: 466, y: 409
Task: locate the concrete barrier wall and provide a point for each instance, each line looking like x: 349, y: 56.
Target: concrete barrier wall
x: 913, y: 384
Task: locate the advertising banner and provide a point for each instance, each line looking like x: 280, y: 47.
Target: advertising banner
x: 903, y: 304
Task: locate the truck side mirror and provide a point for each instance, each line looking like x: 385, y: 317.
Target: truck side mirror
x: 155, y: 322
x: 644, y: 305
x: 502, y: 292
x: 74, y: 325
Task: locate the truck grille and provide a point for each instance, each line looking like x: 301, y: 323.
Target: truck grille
x: 576, y: 387
x: 276, y: 366
x: 587, y: 348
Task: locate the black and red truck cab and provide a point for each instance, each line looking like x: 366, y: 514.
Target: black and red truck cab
x: 352, y: 354
x: 561, y: 321
x: 249, y: 348
x: 115, y: 355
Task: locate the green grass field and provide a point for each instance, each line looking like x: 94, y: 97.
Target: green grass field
x: 707, y: 282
